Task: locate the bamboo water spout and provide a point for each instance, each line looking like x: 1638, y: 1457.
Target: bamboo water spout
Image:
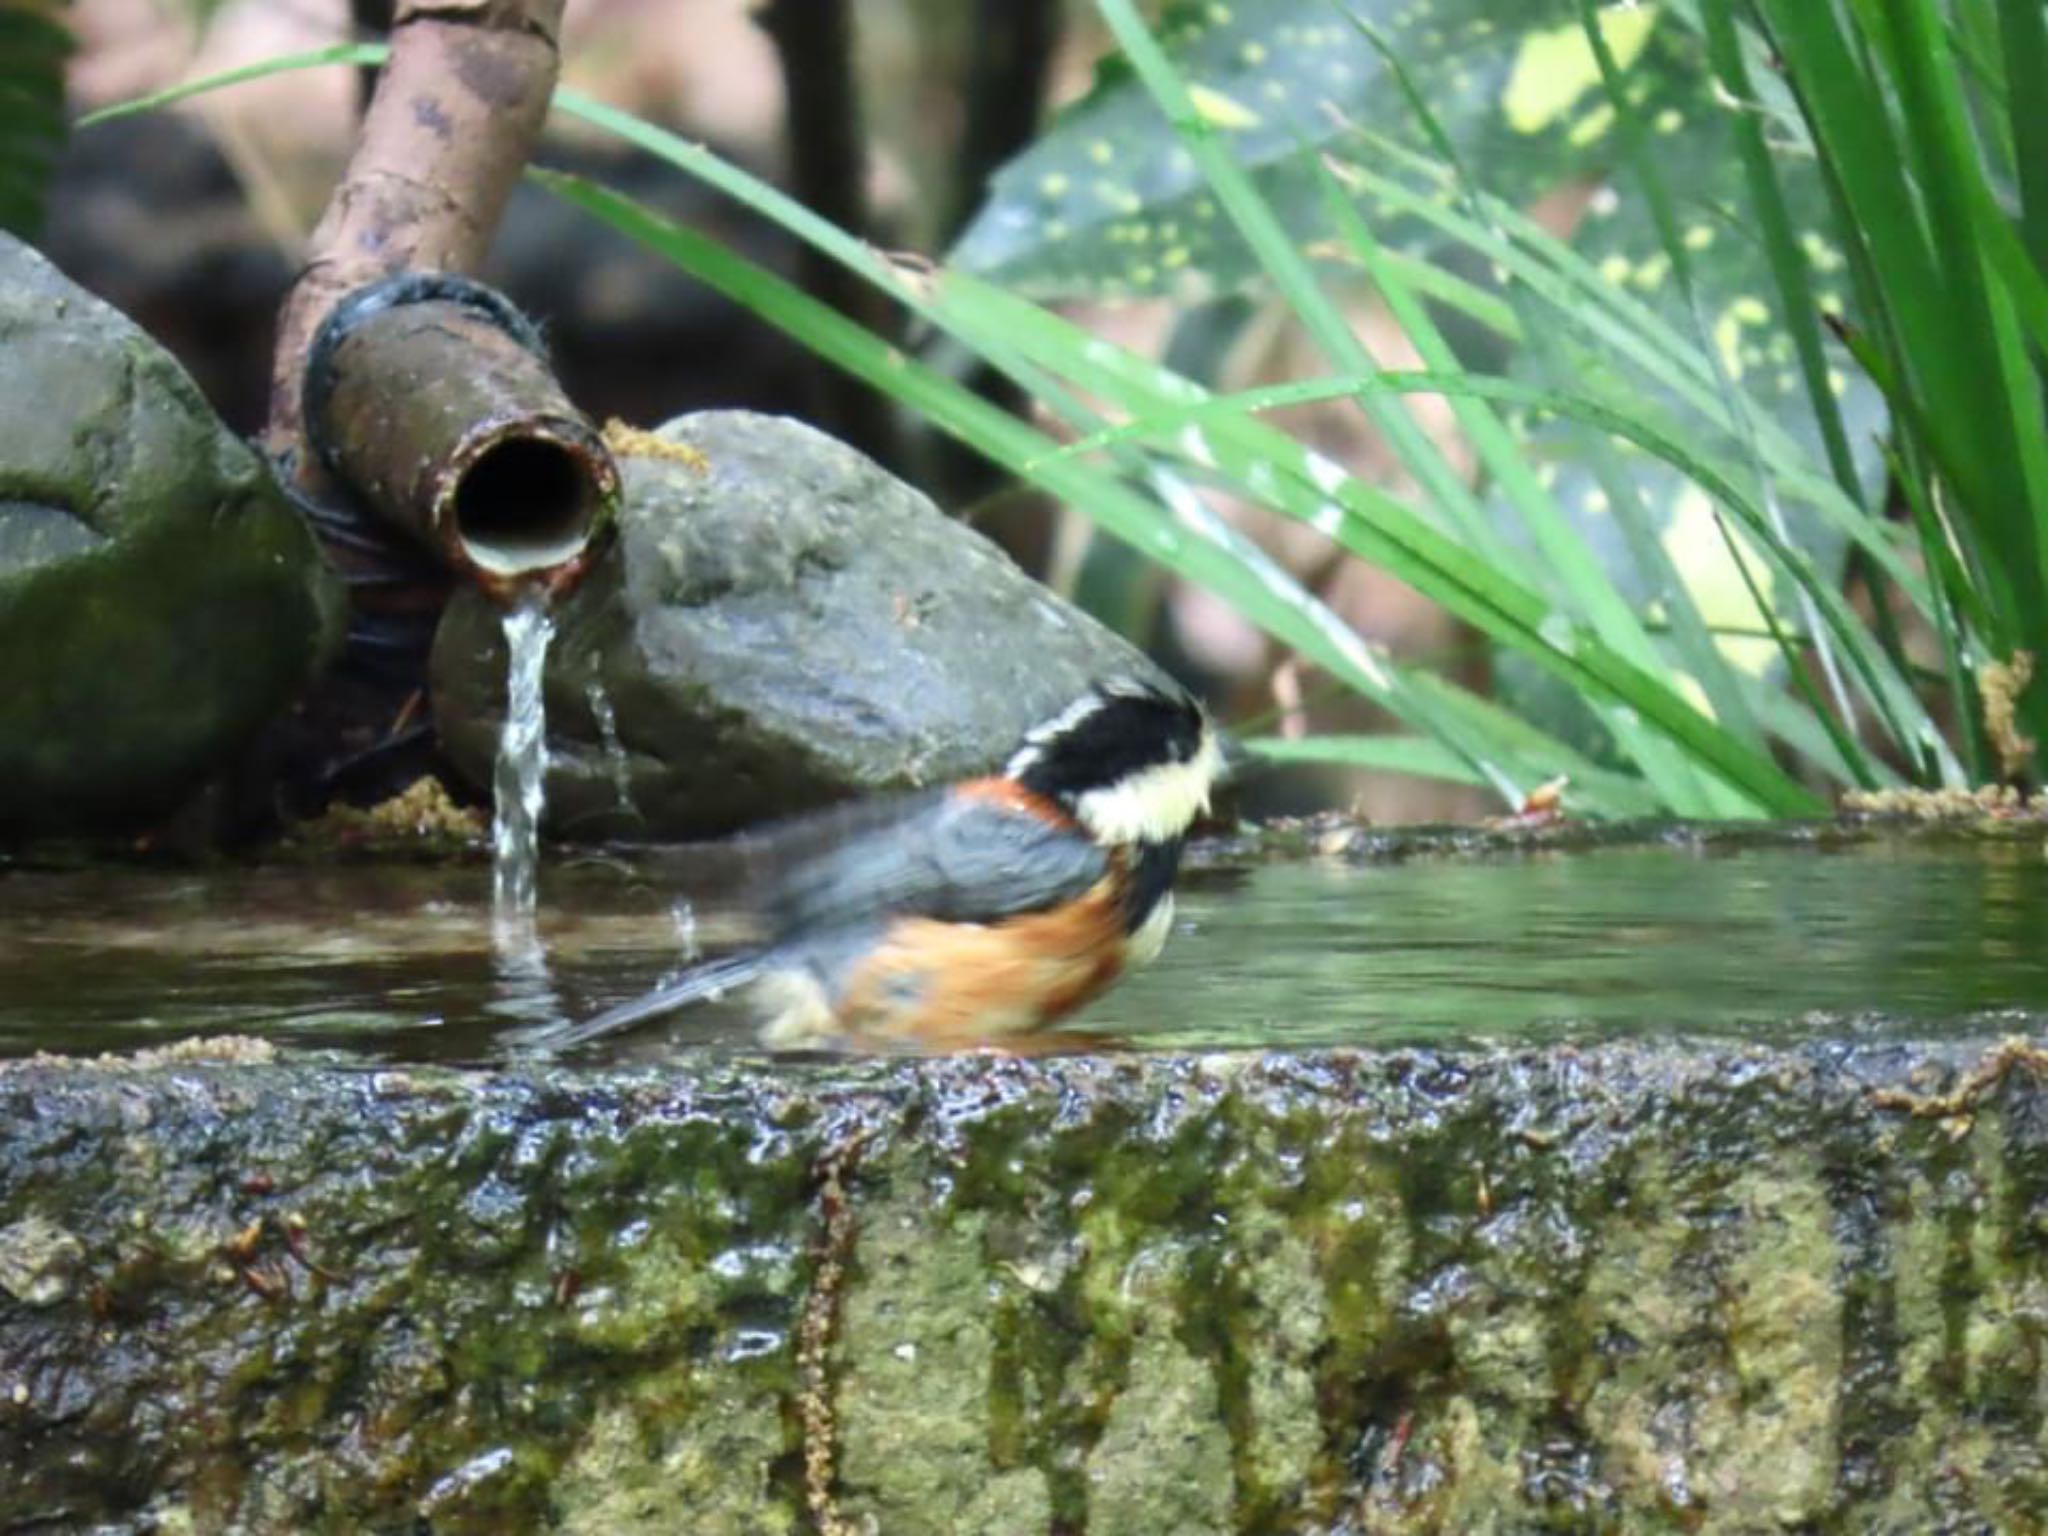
x: 428, y: 395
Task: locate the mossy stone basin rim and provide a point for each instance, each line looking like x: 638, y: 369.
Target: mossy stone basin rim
x: 1624, y: 1288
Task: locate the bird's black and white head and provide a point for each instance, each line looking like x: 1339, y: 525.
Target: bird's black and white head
x: 1132, y: 763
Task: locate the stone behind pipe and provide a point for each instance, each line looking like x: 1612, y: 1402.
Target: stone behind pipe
x: 779, y: 625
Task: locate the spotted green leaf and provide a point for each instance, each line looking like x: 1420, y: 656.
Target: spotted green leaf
x: 1108, y: 202
x: 1676, y: 228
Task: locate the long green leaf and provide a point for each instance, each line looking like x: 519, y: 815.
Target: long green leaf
x: 1421, y: 756
x: 2015, y: 480
x: 1573, y: 566
x: 1554, y: 532
x: 1274, y: 469
x: 1610, y: 319
x: 1289, y: 271
x: 1889, y: 692
x: 282, y: 64
x: 33, y: 47
x: 2024, y: 34
x: 1010, y: 442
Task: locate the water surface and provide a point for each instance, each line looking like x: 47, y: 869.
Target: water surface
x: 398, y: 963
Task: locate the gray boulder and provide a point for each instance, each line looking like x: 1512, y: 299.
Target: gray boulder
x: 159, y: 599
x: 783, y: 625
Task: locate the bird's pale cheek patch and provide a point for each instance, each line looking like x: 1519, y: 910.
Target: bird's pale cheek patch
x: 1156, y: 805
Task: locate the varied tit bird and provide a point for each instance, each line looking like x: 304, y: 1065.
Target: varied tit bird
x: 981, y: 912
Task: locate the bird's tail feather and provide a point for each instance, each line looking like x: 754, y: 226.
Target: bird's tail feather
x: 700, y: 983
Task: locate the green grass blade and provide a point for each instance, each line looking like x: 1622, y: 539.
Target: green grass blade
x: 1575, y: 570
x: 1272, y: 468
x: 1419, y: 757
x: 1740, y: 410
x: 2012, y: 265
x: 1620, y: 324
x: 1609, y: 318
x: 1798, y: 305
x: 1422, y: 758
x: 2011, y: 479
x: 1598, y: 596
x: 1283, y: 612
x: 284, y: 63
x: 1431, y: 281
x: 1287, y: 268
x: 2023, y: 32
x: 1615, y: 794
x: 1917, y: 237
x: 1889, y: 692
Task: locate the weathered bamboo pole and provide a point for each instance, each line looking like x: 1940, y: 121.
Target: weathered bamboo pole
x: 435, y: 403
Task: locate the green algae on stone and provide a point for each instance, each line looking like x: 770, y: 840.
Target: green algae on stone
x: 159, y: 598
x: 1162, y: 1466
x: 1266, y: 1323
x: 912, y: 1365
x: 712, y: 1464
x: 1275, y: 1339
x: 1777, y: 1466
x: 1641, y: 1291
x: 1621, y: 1289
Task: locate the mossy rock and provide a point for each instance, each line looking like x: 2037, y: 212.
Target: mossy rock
x: 159, y: 599
x: 1634, y: 1288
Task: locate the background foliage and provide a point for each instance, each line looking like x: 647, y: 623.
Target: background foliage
x: 1738, y: 314
x: 33, y: 47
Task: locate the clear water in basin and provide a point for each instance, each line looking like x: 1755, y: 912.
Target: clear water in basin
x: 397, y: 963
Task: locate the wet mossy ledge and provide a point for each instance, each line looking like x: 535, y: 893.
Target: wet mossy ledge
x: 1633, y: 1288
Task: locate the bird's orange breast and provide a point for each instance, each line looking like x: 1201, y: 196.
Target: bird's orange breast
x: 940, y: 985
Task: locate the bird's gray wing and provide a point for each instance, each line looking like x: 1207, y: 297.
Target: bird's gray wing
x: 955, y: 858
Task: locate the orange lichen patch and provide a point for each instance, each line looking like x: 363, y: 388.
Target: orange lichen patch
x: 817, y: 1407
x: 1543, y: 806
x: 2015, y: 1053
x: 422, y: 813
x: 630, y: 442
x: 1996, y: 802
x: 2001, y: 683
x: 947, y: 985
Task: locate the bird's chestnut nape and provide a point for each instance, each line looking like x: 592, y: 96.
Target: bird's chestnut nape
x: 1132, y: 762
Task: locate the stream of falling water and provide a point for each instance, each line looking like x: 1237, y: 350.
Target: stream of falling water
x: 526, y: 989
x: 520, y: 782
x: 614, y: 749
